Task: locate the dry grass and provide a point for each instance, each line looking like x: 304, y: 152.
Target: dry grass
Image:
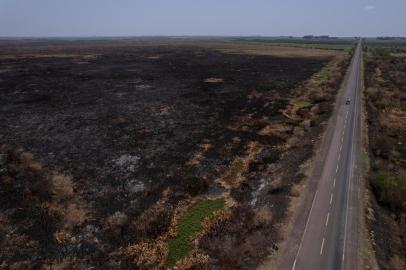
x: 196, y: 261
x: 276, y: 129
x: 75, y: 215
x: 155, y: 221
x: 295, y: 191
x: 147, y: 255
x: 62, y: 186
x: 233, y: 176
x: 198, y: 157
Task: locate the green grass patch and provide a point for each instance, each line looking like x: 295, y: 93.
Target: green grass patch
x: 326, y: 72
x: 301, y: 103
x: 339, y: 47
x: 391, y: 188
x: 188, y: 227
x: 340, y: 44
x: 378, y: 53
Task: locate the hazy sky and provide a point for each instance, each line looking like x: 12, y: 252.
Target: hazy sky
x: 202, y: 17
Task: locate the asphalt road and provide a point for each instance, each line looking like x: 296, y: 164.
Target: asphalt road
x: 325, y: 232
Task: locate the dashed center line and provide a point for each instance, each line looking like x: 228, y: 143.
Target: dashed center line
x: 322, y: 246
x: 331, y: 196
x: 337, y: 168
x: 339, y: 156
x: 328, y: 215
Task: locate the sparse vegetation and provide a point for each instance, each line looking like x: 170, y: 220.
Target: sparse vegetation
x: 345, y: 45
x: 391, y: 188
x: 48, y: 208
x: 385, y: 73
x: 300, y: 103
x: 327, y: 72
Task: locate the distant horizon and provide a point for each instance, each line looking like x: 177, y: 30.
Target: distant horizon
x: 104, y: 18
x: 190, y: 36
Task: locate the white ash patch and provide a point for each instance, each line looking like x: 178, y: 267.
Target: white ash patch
x: 128, y: 163
x: 257, y: 192
x: 135, y: 186
x: 143, y: 86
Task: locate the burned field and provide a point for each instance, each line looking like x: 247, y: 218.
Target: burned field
x: 385, y: 73
x: 106, y: 148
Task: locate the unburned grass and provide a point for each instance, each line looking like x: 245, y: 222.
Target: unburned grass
x: 188, y: 226
x: 391, y: 188
x: 301, y: 103
x: 326, y: 72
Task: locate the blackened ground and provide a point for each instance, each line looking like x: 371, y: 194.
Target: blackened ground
x: 125, y: 124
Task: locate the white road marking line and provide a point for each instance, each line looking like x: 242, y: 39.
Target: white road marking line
x: 337, y: 168
x: 342, y: 139
x: 294, y: 265
x: 339, y: 156
x: 307, y: 224
x: 328, y: 215
x: 352, y: 161
x: 322, y: 246
x: 331, y: 198
x: 334, y: 183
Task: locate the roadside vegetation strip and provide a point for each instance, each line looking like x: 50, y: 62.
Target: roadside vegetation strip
x: 339, y: 45
x: 391, y: 188
x: 188, y: 227
x: 326, y: 72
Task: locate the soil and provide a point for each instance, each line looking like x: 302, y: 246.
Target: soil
x: 129, y: 122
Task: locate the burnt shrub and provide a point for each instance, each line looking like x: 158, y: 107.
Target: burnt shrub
x: 24, y: 178
x: 242, y: 193
x: 151, y: 223
x: 193, y: 185
x: 115, y: 224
